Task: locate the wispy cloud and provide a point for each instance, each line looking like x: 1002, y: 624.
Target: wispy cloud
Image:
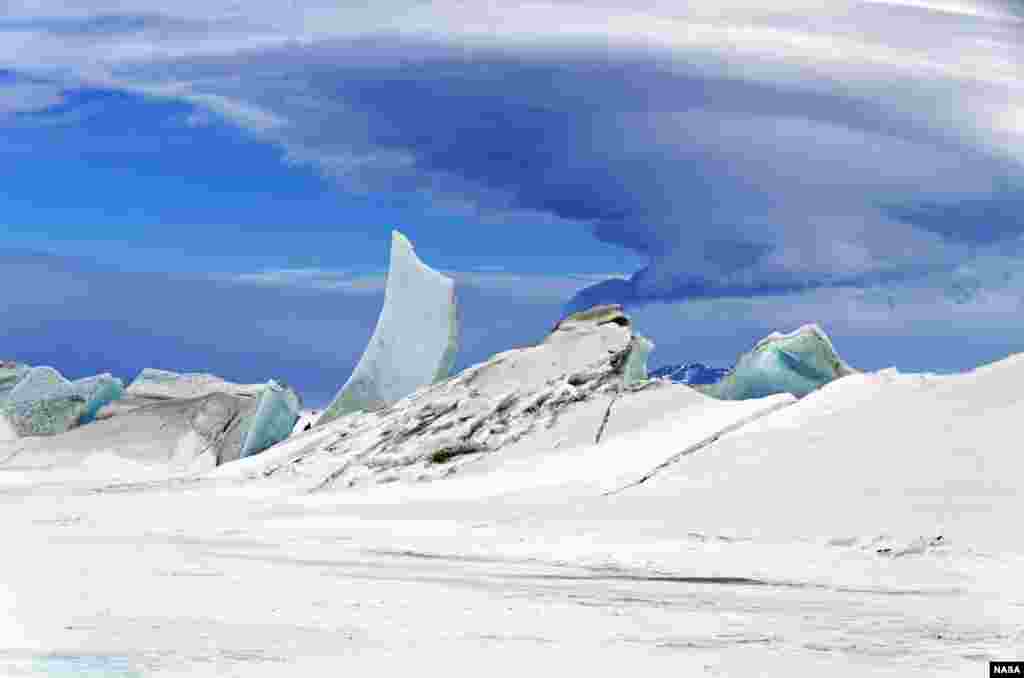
x: 310, y: 279
x: 498, y: 283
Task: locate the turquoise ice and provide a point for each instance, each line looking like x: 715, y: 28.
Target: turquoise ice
x: 797, y: 363
x: 635, y: 369
x: 273, y: 420
x: 39, y: 401
x: 97, y: 391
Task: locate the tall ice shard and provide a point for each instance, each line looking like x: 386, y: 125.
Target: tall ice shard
x: 415, y: 341
x: 798, y: 362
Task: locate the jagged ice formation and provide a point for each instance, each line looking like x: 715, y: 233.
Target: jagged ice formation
x: 798, y: 363
x: 274, y: 418
x: 39, y: 401
x: 414, y: 343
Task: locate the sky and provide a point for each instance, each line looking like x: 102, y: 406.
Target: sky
x: 211, y: 186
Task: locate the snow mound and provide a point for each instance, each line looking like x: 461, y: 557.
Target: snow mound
x: 582, y: 385
x: 877, y: 461
x: 415, y: 341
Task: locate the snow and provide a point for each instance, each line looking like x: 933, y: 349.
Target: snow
x: 868, y: 528
x: 164, y: 438
x: 415, y: 341
x: 7, y: 430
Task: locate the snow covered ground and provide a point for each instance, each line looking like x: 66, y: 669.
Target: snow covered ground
x: 871, y: 528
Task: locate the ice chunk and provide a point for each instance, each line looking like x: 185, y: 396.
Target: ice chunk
x: 10, y: 374
x: 163, y: 384
x: 98, y: 391
x: 635, y: 369
x: 43, y: 402
x: 414, y: 343
x: 796, y: 363
x: 274, y: 419
x: 174, y: 434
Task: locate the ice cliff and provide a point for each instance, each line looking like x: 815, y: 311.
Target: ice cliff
x: 798, y: 362
x: 415, y: 341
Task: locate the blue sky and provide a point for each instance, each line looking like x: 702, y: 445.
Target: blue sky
x: 212, y: 187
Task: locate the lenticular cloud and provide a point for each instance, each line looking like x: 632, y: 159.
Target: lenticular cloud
x: 738, y: 147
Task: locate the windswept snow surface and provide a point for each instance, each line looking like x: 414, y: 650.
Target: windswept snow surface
x: 415, y: 341
x: 870, y: 528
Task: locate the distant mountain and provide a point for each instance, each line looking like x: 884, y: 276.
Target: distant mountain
x: 690, y: 373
